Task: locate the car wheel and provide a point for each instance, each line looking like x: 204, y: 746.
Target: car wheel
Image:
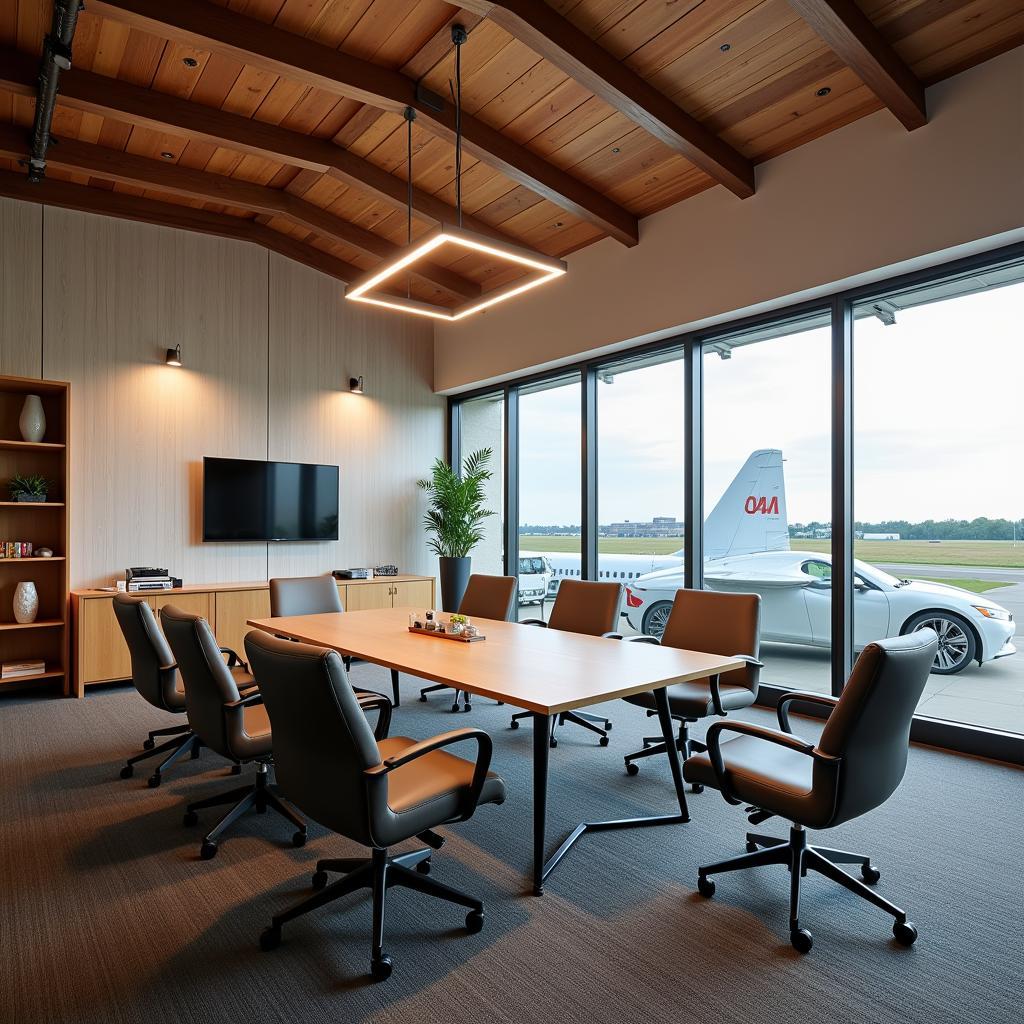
x: 656, y: 617
x: 957, y: 644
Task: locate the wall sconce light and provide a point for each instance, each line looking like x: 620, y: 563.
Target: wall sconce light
x: 355, y: 385
x: 173, y: 356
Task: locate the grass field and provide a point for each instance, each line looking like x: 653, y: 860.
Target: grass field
x: 981, y: 553
x: 975, y: 586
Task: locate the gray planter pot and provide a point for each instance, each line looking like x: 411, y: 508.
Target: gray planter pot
x: 454, y: 579
x: 31, y: 497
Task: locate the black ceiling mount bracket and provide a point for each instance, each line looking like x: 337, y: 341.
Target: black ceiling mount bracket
x: 430, y: 99
x: 459, y: 34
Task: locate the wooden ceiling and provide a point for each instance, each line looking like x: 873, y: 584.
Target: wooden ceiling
x: 281, y: 121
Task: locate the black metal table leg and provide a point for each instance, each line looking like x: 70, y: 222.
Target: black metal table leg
x: 541, y: 750
x: 540, y: 874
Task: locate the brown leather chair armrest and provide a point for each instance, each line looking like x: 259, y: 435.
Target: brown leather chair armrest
x: 368, y: 700
x: 715, y: 682
x: 612, y: 635
x: 233, y: 658
x: 795, y: 696
x: 533, y: 622
x: 248, y: 701
x: 446, y: 739
x: 782, y: 739
x: 641, y: 638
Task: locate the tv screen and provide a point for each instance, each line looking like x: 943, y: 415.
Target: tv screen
x: 245, y: 499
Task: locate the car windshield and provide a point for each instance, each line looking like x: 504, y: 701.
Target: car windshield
x: 874, y: 574
x: 531, y: 565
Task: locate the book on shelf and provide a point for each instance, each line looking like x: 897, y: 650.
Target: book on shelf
x: 15, y: 669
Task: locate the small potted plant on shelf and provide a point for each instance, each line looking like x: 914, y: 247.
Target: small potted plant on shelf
x: 455, y: 518
x: 29, y: 488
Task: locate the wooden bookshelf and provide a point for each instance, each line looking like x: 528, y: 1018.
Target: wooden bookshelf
x: 43, y: 524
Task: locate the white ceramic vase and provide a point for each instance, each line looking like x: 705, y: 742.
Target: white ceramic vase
x: 26, y: 602
x: 33, y: 419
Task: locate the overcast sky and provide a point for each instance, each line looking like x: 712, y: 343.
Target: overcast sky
x: 938, y: 414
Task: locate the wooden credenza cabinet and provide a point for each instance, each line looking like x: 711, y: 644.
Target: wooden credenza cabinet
x: 100, y: 654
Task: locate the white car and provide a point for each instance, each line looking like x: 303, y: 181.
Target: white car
x: 534, y: 578
x: 796, y: 598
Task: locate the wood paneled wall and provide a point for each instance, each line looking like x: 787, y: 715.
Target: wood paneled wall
x: 268, y: 348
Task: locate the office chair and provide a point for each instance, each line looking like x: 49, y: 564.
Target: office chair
x: 486, y: 597
x: 313, y: 595
x: 855, y: 767
x: 581, y: 607
x: 234, y: 726
x: 376, y: 794
x: 703, y: 620
x: 155, y: 676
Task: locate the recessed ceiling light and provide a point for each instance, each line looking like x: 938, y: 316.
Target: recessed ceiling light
x: 725, y: 47
x: 823, y: 91
x: 615, y: 149
x: 167, y: 156
x: 190, y: 62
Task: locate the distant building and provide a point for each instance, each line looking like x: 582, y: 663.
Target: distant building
x: 659, y: 526
x: 880, y: 536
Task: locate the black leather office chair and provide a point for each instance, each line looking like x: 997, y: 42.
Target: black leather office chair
x: 703, y: 620
x: 155, y: 676
x: 314, y: 595
x: 376, y: 794
x: 581, y: 607
x: 855, y: 766
x: 486, y: 597
x: 233, y: 725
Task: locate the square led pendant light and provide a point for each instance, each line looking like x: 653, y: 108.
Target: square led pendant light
x: 545, y: 268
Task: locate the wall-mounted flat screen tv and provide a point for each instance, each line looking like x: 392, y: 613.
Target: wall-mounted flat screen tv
x: 246, y: 499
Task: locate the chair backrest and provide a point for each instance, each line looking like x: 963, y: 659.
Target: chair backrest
x: 322, y: 740
x: 716, y: 623
x: 208, y: 682
x: 870, y: 726
x: 585, y: 607
x: 489, y: 597
x: 153, y: 672
x: 304, y: 595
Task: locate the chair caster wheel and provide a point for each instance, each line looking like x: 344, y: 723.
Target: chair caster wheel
x: 380, y: 969
x: 705, y: 886
x: 127, y: 771
x: 236, y: 769
x: 474, y: 921
x: 604, y: 741
x: 870, y: 873
x: 752, y: 847
x: 905, y: 933
x: 467, y: 707
x: 696, y: 788
x: 424, y: 867
x: 553, y: 743
x: 154, y: 780
x: 514, y: 724
x: 299, y: 838
x: 320, y: 880
x: 455, y: 708
x: 423, y: 698
x: 148, y: 744
x: 632, y: 768
x: 607, y: 726
x: 270, y: 939
x: 208, y: 850
x: 801, y: 939
x: 190, y: 818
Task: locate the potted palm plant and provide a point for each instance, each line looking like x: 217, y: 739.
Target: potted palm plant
x: 455, y: 517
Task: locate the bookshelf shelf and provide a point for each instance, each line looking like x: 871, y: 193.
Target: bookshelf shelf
x: 47, y: 638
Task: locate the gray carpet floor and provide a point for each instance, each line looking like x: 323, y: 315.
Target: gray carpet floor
x: 108, y: 915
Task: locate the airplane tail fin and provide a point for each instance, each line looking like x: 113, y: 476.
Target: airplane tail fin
x: 751, y: 515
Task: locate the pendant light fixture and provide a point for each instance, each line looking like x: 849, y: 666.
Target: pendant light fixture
x: 541, y: 268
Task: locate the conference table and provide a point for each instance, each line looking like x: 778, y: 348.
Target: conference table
x: 543, y: 671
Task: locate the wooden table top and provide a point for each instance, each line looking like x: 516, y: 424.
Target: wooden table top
x: 542, y: 670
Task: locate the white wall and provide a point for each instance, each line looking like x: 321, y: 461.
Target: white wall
x: 268, y: 348
x: 868, y: 199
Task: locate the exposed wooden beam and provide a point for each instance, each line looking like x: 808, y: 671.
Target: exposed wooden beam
x: 132, y: 104
x: 251, y: 42
x: 149, y: 211
x: 858, y: 44
x: 571, y: 50
x: 129, y: 169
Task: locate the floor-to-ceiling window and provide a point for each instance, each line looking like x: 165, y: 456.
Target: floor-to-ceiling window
x: 767, y: 488
x: 550, y: 512
x: 640, y: 463
x: 482, y: 426
x: 939, y: 490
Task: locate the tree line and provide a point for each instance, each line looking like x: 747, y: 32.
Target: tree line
x: 935, y: 529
